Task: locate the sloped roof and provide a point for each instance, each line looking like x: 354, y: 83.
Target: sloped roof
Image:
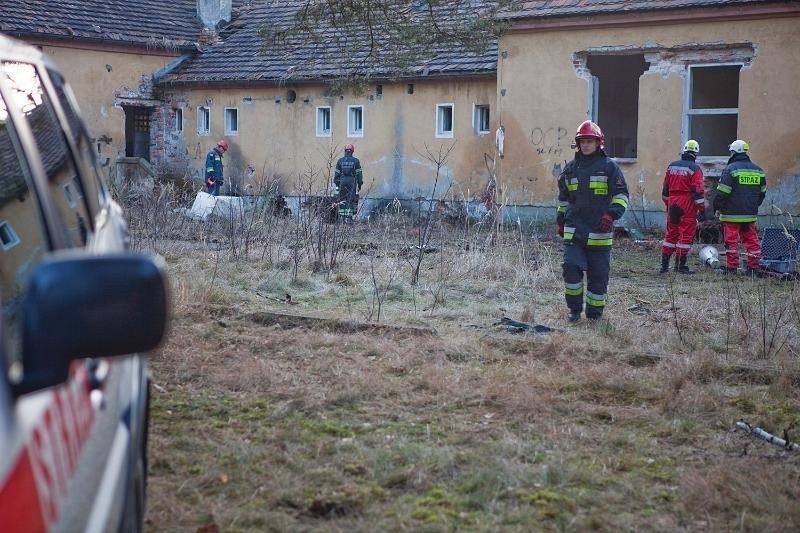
x: 245, y: 56
x: 538, y: 9
x: 157, y: 24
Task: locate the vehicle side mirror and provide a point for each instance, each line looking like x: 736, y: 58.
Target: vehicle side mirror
x: 79, y: 306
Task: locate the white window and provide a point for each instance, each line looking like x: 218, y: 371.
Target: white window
x: 480, y: 119
x: 203, y: 120
x: 712, y: 107
x: 355, y: 121
x: 8, y: 237
x: 323, y: 121
x: 231, y: 121
x: 444, y: 120
x: 178, y: 127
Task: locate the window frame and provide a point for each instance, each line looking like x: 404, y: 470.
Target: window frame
x: 477, y: 119
x: 689, y: 111
x: 351, y: 114
x: 7, y: 229
x: 177, y: 125
x: 203, y: 111
x: 441, y: 133
x: 228, y: 113
x: 322, y: 111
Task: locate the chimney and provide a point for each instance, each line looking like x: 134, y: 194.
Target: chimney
x: 212, y: 12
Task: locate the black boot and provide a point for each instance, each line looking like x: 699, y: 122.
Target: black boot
x: 665, y: 263
x: 680, y: 265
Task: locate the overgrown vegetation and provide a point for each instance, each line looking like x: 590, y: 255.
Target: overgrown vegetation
x: 374, y: 392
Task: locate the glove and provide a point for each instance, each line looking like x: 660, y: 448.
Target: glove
x: 210, y: 182
x: 606, y: 223
x: 701, y: 216
x: 560, y: 230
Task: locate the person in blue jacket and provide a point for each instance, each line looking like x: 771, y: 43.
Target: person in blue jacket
x: 592, y: 194
x: 214, y: 177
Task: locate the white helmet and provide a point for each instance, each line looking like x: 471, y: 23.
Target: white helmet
x: 691, y: 146
x: 709, y: 255
x: 739, y: 146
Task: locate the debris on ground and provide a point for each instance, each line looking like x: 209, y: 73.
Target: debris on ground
x: 513, y: 326
x: 769, y: 437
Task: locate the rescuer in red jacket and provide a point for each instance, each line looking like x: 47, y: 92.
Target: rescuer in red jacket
x: 683, y: 196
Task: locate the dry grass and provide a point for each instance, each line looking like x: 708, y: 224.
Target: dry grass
x: 428, y: 417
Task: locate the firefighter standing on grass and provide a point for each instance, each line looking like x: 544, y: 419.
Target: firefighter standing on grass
x: 684, y: 198
x: 348, y: 178
x: 742, y: 187
x: 214, y: 177
x: 592, y: 194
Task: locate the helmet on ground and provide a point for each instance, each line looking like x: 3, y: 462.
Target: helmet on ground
x: 223, y: 144
x: 709, y: 256
x: 691, y: 146
x: 739, y: 146
x: 349, y: 148
x: 589, y: 129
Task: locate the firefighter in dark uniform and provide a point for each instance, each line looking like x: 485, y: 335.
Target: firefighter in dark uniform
x: 348, y: 178
x: 684, y: 197
x: 592, y: 194
x: 214, y: 177
x: 742, y: 187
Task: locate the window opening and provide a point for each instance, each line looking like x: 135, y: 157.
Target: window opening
x: 444, y: 120
x: 8, y: 237
x: 712, y: 113
x: 179, y: 120
x: 323, y: 122
x: 203, y: 120
x: 355, y: 121
x: 231, y: 121
x: 480, y: 119
x: 615, y: 98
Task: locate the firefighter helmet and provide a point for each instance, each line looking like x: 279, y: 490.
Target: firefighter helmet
x: 588, y: 130
x: 223, y: 144
x: 349, y: 148
x: 739, y: 146
x: 691, y: 146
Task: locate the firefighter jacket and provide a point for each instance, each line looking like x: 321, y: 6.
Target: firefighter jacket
x: 683, y: 183
x: 589, y: 187
x: 214, y: 167
x: 348, y: 167
x: 742, y: 187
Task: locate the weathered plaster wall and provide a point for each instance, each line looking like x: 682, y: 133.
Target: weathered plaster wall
x: 100, y: 80
x: 278, y: 138
x: 546, y: 97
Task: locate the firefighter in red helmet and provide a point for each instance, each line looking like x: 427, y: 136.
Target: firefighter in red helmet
x: 348, y: 179
x: 214, y: 177
x: 592, y: 194
x: 684, y: 199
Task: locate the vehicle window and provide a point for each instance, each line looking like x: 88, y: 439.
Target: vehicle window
x: 22, y: 234
x: 94, y: 190
x: 27, y: 94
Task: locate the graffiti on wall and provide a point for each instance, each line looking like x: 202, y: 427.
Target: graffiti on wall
x: 550, y: 141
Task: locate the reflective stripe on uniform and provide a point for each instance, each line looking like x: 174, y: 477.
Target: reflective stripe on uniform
x: 724, y: 189
x: 620, y: 199
x: 595, y: 300
x: 573, y: 289
x: 738, y: 218
x: 569, y: 232
x: 600, y: 239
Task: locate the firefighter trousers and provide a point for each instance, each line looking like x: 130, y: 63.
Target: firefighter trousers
x: 681, y: 226
x: 595, y: 261
x: 747, y: 232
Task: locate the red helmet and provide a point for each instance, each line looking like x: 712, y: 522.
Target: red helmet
x: 349, y: 148
x: 589, y: 129
x: 223, y: 144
